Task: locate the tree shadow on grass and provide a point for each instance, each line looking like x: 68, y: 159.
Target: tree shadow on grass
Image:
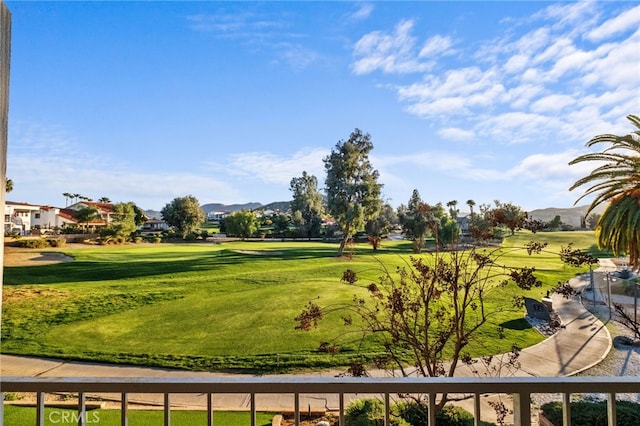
x: 517, y: 324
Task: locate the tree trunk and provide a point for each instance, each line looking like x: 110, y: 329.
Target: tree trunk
x: 343, y: 243
x: 345, y: 238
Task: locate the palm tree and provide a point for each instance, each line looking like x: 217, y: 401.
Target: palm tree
x: 8, y: 185
x: 471, y: 203
x: 67, y: 196
x: 453, y: 211
x: 616, y: 181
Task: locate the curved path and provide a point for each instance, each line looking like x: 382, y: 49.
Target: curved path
x: 583, y: 342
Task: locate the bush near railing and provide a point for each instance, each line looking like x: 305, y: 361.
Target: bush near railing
x: 593, y: 413
x: 370, y: 412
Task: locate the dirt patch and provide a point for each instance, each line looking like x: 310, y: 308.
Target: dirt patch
x: 11, y: 294
x: 20, y: 257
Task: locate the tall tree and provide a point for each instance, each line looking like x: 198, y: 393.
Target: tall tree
x: 242, y: 224
x: 123, y: 222
x: 280, y: 224
x: 377, y: 227
x: 453, y: 209
x: 353, y: 191
x: 86, y: 215
x: 8, y: 185
x: 67, y: 196
x: 184, y: 214
x: 471, y: 203
x: 308, y: 201
x: 616, y: 181
x: 104, y: 200
x: 415, y: 220
x: 509, y: 215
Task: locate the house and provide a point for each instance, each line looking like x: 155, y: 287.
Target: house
x: 24, y: 218
x: 214, y: 216
x: 102, y: 219
x: 52, y: 218
x: 154, y: 225
x: 18, y: 217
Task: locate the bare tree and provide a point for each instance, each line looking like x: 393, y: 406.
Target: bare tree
x: 426, y: 313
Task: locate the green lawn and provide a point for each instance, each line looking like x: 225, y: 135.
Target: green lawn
x: 20, y: 416
x: 231, y: 305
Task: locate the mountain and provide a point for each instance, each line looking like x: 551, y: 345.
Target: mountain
x: 281, y: 206
x: 218, y: 207
x: 569, y: 216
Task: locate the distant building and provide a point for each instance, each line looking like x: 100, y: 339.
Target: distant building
x: 154, y: 225
x: 217, y: 215
x: 18, y: 217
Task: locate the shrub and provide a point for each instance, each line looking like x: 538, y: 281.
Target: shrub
x: 418, y: 415
x: 593, y: 413
x: 137, y: 239
x: 57, y: 242
x: 369, y: 412
x: 35, y: 243
x: 72, y: 230
x: 191, y: 236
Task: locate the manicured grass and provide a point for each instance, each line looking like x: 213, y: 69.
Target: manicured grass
x: 20, y: 416
x: 231, y: 305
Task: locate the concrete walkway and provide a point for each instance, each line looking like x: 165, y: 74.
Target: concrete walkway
x: 583, y: 342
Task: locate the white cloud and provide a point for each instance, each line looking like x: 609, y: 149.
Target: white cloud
x: 298, y: 57
x: 627, y: 20
x: 524, y: 87
x: 549, y: 166
x: 552, y: 103
x: 516, y: 63
x: 456, y: 134
x: 364, y: 11
x: 277, y: 169
x: 435, y: 46
x: 38, y: 147
x: 389, y: 53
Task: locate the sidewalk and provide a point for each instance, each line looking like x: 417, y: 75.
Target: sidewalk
x: 583, y: 342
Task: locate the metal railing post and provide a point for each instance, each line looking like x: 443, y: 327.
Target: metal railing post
x: 124, y: 409
x: 40, y: 409
x: 296, y: 414
x: 432, y: 409
x: 387, y: 410
x: 82, y: 409
x: 209, y: 409
x: 341, y: 408
x: 611, y: 409
x: 522, y: 409
x: 476, y: 409
x: 566, y: 409
x: 167, y: 409
x: 253, y: 409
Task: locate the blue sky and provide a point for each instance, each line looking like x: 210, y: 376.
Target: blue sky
x: 227, y: 101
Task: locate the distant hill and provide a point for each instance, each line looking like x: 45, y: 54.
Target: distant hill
x: 153, y: 214
x: 282, y: 206
x: 218, y: 207
x: 569, y: 216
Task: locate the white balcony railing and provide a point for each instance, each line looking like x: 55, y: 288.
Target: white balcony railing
x: 520, y: 388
